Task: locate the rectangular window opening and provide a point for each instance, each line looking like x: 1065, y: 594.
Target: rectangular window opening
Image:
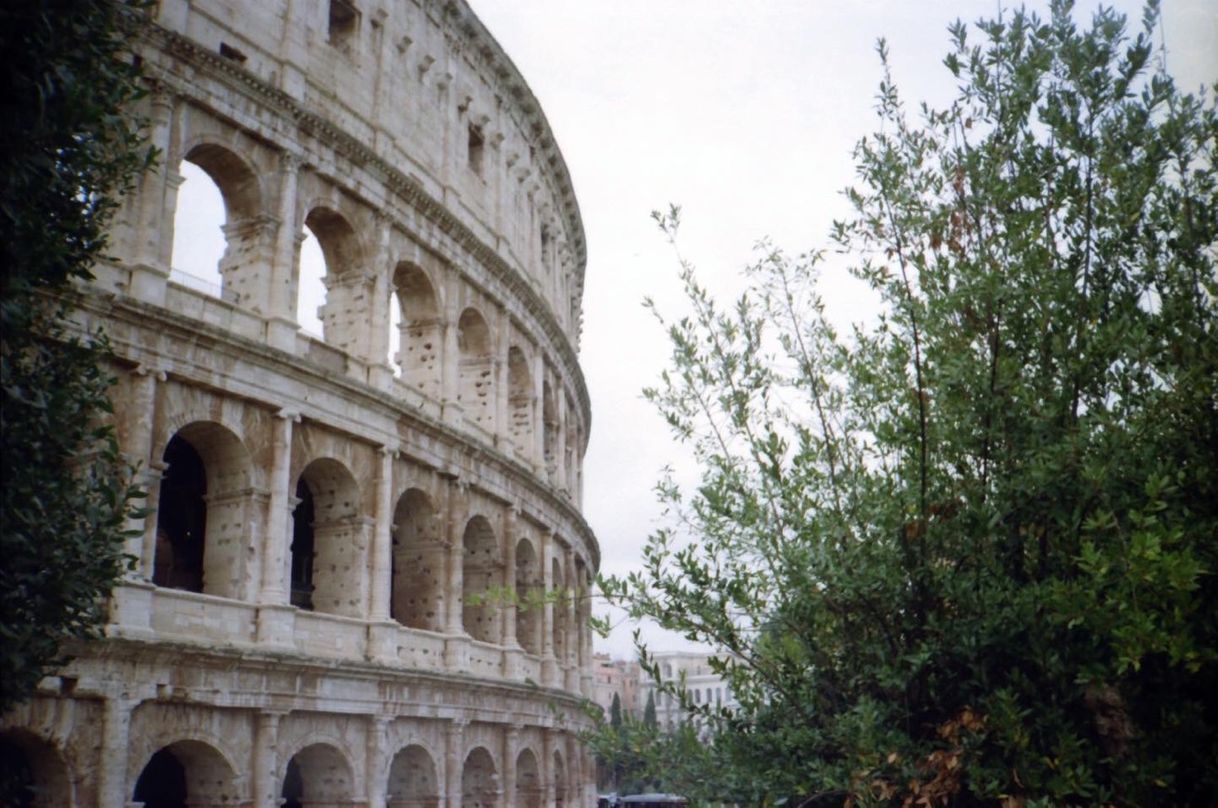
x: 344, y: 22
x: 477, y: 145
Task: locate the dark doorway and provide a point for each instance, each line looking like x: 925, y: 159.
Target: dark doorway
x: 162, y: 784
x: 302, y: 548
x: 181, y: 519
x: 293, y: 787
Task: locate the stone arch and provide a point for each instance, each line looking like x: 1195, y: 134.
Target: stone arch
x: 559, y: 623
x: 549, y: 425
x: 480, y: 572
x: 187, y: 773
x: 528, y: 585
x: 520, y: 401
x: 317, y: 776
x: 421, y: 329
x: 329, y: 541
x: 247, y: 237
x: 560, y: 780
x: 530, y: 791
x: 479, y: 780
x: 37, y: 768
x: 417, y: 583
x: 203, y: 506
x: 475, y: 377
x: 347, y: 312
x: 412, y: 780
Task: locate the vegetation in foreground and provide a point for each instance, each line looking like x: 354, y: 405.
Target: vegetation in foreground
x: 966, y: 556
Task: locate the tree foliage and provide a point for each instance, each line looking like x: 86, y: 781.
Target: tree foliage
x: 966, y: 556
x: 67, y: 150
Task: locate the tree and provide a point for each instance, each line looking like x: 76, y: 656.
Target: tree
x: 67, y: 151
x: 615, y: 711
x: 967, y: 556
x: 649, y: 710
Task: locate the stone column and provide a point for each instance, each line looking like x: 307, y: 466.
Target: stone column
x: 458, y: 509
x: 454, y: 762
x: 266, y: 759
x: 501, y: 426
x: 375, y: 774
x: 138, y: 423
x: 548, y: 771
x: 511, y: 739
x: 380, y: 371
x: 112, y: 791
x: 549, y: 665
x: 571, y: 640
x: 450, y: 364
x: 281, y: 308
x: 274, y: 612
x: 539, y: 427
x: 510, y: 519
x: 382, y: 541
x: 151, y: 202
x: 560, y: 441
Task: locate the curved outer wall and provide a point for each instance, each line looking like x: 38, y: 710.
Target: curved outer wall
x: 359, y: 666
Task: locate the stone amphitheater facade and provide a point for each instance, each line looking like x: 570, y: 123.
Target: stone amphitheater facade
x: 322, y: 612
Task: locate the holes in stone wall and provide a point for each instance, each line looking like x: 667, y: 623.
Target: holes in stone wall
x: 340, y: 539
x: 412, y: 780
x: 480, y: 568
x: 528, y: 587
x: 417, y: 595
x: 475, y: 382
x: 479, y: 787
x: 317, y: 775
x: 345, y: 315
x: 343, y: 24
x: 559, y: 623
x: 520, y: 401
x: 549, y: 420
x: 201, y: 512
x: 420, y: 331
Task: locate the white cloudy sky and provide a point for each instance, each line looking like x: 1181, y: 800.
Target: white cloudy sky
x: 744, y: 113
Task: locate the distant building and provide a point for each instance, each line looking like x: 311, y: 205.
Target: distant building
x: 703, y: 685
x: 616, y: 676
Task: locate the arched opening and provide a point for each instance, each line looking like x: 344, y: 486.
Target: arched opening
x: 480, y: 568
x: 303, y: 518
x: 528, y: 610
x: 317, y: 776
x: 181, y: 519
x: 520, y: 402
x: 186, y: 773
x: 198, y: 232
x: 549, y: 422
x: 395, y: 334
x: 336, y: 538
x: 479, y: 783
x: 220, y: 240
x: 33, y: 772
x: 347, y: 311
x: 569, y: 448
x: 310, y: 285
x: 529, y: 790
x: 420, y: 332
x: 412, y: 780
x: 475, y: 377
x: 417, y: 596
x: 560, y: 780
x: 202, y: 509
x: 559, y: 623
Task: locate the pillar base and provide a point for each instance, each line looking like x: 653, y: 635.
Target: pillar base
x: 383, y: 641
x: 131, y: 610
x: 456, y: 653
x: 281, y: 334
x: 550, y: 676
x: 148, y: 283
x: 276, y: 626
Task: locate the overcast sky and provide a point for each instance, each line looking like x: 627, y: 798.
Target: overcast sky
x: 743, y: 113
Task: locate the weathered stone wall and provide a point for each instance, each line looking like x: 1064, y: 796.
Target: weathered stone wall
x: 318, y: 609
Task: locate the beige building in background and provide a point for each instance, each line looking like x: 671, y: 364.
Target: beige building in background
x: 618, y: 677
x: 317, y: 616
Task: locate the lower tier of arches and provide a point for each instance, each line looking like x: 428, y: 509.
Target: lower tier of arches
x: 125, y: 725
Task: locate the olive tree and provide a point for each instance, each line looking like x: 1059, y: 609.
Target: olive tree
x: 967, y: 555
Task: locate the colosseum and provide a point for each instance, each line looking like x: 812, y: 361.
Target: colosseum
x: 362, y: 577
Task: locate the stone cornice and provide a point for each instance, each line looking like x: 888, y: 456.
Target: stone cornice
x: 406, y: 187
